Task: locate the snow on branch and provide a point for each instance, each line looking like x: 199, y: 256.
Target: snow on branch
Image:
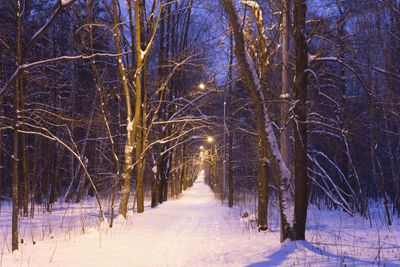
x: 252, y: 4
x: 27, y: 66
x: 66, y: 2
x: 249, y: 72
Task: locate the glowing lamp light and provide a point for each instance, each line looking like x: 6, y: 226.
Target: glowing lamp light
x: 202, y: 86
x: 210, y: 139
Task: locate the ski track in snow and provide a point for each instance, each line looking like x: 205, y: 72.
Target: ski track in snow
x: 196, y: 230
x: 196, y: 238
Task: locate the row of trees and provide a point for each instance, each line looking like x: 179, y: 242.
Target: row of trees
x: 327, y: 96
x: 320, y: 81
x: 94, y: 94
x: 102, y: 99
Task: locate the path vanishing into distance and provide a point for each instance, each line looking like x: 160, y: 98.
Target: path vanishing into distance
x: 193, y: 230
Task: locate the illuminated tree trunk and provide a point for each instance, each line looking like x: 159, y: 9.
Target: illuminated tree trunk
x: 142, y: 130
x: 130, y: 124
x: 132, y: 120
x: 263, y: 179
x: 286, y: 148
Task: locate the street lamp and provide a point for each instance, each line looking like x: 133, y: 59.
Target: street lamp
x: 202, y: 86
x: 210, y: 139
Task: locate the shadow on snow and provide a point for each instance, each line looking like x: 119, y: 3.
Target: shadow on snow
x: 281, y: 255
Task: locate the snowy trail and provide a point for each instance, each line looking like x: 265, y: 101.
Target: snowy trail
x: 195, y: 230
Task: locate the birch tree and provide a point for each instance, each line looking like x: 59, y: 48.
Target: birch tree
x: 265, y: 130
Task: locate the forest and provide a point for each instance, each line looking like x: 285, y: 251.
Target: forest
x: 285, y: 108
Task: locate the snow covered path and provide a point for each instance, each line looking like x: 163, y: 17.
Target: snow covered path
x: 196, y: 230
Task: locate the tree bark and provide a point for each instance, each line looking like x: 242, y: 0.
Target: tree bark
x: 15, y: 180
x: 286, y: 127
x: 24, y: 158
x: 230, y: 128
x: 140, y: 136
x: 131, y: 124
x: 300, y: 132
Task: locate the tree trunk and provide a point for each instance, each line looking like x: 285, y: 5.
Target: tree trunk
x: 154, y: 191
x: 24, y: 158
x: 140, y: 136
x: 167, y: 177
x: 264, y: 124
x: 3, y: 181
x: 15, y: 180
x: 382, y: 187
x: 230, y: 128
x: 33, y: 184
x: 140, y: 166
x: 162, y: 179
x: 183, y: 170
x: 131, y: 124
x: 262, y: 219
x: 286, y: 127
x: 300, y: 132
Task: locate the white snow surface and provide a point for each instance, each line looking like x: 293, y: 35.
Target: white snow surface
x: 196, y: 230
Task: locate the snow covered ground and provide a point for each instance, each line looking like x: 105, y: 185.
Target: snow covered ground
x: 196, y: 230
